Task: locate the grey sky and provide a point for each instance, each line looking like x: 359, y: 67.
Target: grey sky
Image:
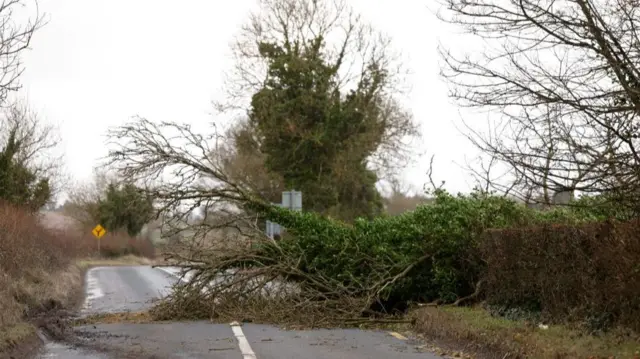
x: 97, y: 63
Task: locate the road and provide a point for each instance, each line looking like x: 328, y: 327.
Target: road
x: 118, y: 289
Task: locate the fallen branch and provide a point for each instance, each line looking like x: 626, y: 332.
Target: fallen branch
x: 474, y: 295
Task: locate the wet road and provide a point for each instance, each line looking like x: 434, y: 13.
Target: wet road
x: 118, y: 289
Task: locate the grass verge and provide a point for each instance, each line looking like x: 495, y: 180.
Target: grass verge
x: 128, y: 260
x: 32, y: 296
x: 479, y: 334
x: 45, y: 295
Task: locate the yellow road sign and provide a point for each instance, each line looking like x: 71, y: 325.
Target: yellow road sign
x: 99, y: 231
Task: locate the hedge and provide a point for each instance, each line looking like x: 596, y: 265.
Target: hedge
x: 581, y: 273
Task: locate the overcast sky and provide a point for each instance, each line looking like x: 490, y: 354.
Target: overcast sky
x: 97, y: 63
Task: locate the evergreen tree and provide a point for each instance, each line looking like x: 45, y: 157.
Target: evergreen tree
x: 18, y: 184
x: 125, y: 207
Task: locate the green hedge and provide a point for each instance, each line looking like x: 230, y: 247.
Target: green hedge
x: 448, y: 230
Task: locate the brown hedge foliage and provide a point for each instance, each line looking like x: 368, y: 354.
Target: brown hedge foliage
x: 118, y: 244
x: 588, y: 272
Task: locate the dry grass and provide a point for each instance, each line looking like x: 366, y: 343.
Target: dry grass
x: 36, y: 292
x: 13, y: 335
x: 111, y: 318
x: 42, y: 266
x: 126, y: 260
x: 476, y: 332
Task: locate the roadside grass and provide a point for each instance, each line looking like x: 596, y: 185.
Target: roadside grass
x: 42, y: 271
x: 15, y: 334
x: 37, y: 291
x: 479, y: 334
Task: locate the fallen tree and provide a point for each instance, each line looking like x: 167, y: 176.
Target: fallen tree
x: 321, y: 271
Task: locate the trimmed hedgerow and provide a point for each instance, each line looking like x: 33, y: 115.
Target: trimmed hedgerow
x: 586, y: 273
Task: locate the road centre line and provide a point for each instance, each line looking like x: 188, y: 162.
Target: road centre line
x: 182, y: 278
x: 236, y: 328
x: 243, y: 343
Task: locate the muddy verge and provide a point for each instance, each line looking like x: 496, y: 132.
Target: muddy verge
x: 51, y: 321
x: 60, y: 328
x: 57, y: 325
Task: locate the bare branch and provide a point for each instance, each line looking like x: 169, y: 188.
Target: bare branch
x: 15, y: 38
x: 564, y: 77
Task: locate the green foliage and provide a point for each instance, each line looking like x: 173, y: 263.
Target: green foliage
x: 604, y: 206
x: 447, y: 231
x: 125, y: 207
x: 20, y: 185
x: 317, y: 138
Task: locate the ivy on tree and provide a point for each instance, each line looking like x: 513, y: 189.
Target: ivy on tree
x: 315, y: 136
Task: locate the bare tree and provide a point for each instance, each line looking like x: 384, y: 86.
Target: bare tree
x: 563, y: 75
x: 15, y: 38
x: 181, y: 170
x: 403, y: 198
x: 242, y: 159
x: 83, y: 198
x: 33, y: 140
x: 38, y: 141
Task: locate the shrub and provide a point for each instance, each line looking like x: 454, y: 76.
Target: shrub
x: 604, y: 206
x: 587, y: 272
x: 25, y: 243
x: 36, y: 263
x: 30, y: 258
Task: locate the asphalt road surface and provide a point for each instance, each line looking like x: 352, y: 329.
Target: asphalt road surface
x: 119, y: 289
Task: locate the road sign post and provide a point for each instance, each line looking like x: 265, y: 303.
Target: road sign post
x: 98, y: 231
x: 291, y: 200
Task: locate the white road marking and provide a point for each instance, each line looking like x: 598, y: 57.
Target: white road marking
x: 93, y: 288
x: 243, y: 343
x: 174, y: 272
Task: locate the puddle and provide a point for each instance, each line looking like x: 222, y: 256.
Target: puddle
x: 63, y: 351
x: 56, y: 350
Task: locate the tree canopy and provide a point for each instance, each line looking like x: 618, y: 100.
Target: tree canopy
x: 562, y: 79
x: 317, y: 138
x: 320, y: 112
x: 313, y: 122
x: 125, y: 207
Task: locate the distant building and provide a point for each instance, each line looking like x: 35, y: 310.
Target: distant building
x: 562, y: 197
x: 558, y: 198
